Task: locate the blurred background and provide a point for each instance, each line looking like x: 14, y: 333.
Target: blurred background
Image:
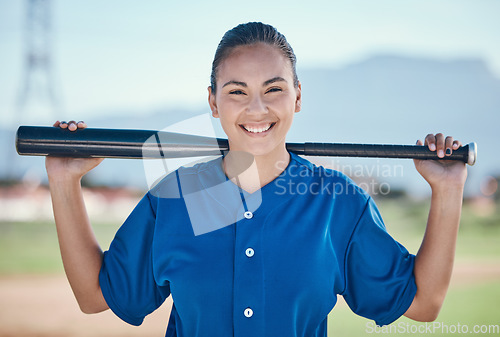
x: 371, y: 72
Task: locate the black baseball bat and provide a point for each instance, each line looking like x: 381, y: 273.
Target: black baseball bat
x: 128, y: 143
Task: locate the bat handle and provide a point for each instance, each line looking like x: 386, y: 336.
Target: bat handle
x: 467, y: 153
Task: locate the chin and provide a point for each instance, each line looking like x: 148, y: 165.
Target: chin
x: 263, y: 150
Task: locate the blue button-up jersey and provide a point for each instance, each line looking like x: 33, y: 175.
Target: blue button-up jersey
x: 269, y: 263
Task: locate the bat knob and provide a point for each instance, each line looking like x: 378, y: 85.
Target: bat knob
x: 472, y: 154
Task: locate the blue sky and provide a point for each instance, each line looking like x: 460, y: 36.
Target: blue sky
x: 138, y: 55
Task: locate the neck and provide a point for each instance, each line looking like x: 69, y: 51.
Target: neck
x: 253, y: 172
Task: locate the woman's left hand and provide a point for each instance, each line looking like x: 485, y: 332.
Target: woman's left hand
x: 442, y: 173
x: 434, y: 260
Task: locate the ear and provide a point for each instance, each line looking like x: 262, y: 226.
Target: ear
x: 298, y: 101
x: 212, y: 103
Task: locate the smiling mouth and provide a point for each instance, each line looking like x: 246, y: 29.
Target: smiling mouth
x: 260, y: 129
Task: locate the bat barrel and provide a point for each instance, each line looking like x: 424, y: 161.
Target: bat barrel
x: 113, y: 143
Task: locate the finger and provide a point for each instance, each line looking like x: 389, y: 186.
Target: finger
x: 419, y: 143
x: 72, y: 126
x: 56, y: 124
x: 81, y: 125
x: 63, y: 125
x: 448, y: 143
x: 456, y: 144
x: 440, y: 143
x: 430, y: 141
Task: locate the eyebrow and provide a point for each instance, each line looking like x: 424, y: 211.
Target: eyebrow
x: 266, y: 83
x: 241, y: 84
x: 273, y: 80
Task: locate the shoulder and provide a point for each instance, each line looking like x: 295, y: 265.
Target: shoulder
x: 331, y: 180
x: 188, y: 179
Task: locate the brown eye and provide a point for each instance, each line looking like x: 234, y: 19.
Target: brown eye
x: 236, y: 92
x: 275, y: 90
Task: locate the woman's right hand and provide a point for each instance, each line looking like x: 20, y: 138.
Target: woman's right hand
x: 62, y: 168
x: 80, y: 251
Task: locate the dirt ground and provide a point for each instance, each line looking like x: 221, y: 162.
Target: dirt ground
x: 43, y: 306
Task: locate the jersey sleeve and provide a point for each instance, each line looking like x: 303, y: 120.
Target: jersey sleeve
x: 380, y: 284
x: 127, y: 278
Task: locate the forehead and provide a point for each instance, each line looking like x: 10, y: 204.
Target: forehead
x: 258, y: 62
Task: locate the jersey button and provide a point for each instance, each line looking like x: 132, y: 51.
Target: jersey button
x: 249, y: 252
x: 248, y: 215
x: 248, y: 312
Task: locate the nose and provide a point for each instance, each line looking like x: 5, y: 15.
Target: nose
x: 257, y: 106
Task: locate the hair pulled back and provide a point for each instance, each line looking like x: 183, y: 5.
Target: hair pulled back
x: 248, y: 34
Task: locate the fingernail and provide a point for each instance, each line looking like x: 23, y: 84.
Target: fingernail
x: 440, y: 154
x: 432, y: 147
x: 448, y: 151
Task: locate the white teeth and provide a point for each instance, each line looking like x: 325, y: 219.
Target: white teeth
x: 257, y: 130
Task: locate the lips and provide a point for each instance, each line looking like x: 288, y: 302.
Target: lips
x: 260, y: 128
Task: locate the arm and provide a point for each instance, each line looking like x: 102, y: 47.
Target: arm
x: 434, y: 260
x: 81, y: 254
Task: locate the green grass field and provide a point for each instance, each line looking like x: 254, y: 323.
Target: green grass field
x: 465, y: 309
x: 32, y: 248
x: 467, y: 305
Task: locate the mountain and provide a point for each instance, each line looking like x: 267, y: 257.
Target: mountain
x: 387, y: 98
x: 383, y: 99
x: 398, y: 99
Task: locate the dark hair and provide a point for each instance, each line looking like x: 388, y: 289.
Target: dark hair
x: 248, y: 34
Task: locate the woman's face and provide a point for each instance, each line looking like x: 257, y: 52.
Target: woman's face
x: 255, y: 99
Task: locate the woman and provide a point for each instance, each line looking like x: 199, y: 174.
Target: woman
x: 244, y: 251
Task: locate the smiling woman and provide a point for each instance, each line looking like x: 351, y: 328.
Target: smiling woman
x: 255, y: 99
x: 255, y: 92
x: 240, y: 251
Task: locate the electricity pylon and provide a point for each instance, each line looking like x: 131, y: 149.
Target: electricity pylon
x: 37, y: 100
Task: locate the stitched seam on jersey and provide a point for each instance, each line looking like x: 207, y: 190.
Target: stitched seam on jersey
x: 206, y: 166
x: 149, y: 199
x: 179, y: 184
